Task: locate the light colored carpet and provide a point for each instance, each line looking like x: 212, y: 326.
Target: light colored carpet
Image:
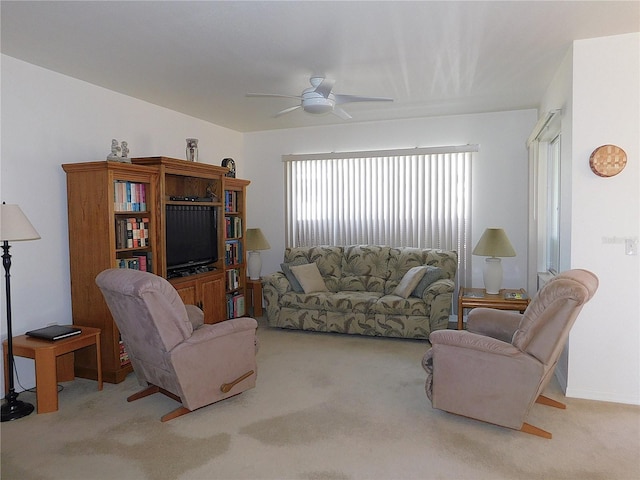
x: 326, y: 406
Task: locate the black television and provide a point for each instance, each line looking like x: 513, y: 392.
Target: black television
x: 191, y: 236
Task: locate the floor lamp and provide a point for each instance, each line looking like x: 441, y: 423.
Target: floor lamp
x: 14, y: 227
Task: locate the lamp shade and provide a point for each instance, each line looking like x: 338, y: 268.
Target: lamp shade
x: 494, y: 243
x: 255, y: 240
x: 14, y: 225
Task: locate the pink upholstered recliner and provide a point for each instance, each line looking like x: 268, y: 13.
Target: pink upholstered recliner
x: 498, y: 368
x: 170, y: 348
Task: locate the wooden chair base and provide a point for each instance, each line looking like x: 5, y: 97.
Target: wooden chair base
x: 542, y: 400
x: 150, y: 390
x: 182, y: 410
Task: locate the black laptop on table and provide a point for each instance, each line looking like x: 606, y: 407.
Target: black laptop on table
x: 55, y: 332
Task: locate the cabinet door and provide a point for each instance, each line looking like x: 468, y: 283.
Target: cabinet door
x: 188, y: 292
x: 213, y: 299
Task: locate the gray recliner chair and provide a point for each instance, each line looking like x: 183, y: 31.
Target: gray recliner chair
x: 498, y: 368
x: 171, y: 350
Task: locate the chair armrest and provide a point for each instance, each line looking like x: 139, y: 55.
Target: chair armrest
x: 221, y: 329
x: 196, y: 316
x: 469, y: 340
x: 500, y: 324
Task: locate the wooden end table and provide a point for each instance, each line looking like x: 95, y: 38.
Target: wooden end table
x: 54, y: 362
x: 254, y: 289
x: 478, y: 297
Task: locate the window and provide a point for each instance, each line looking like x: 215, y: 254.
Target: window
x: 411, y: 197
x: 545, y: 149
x: 552, y: 256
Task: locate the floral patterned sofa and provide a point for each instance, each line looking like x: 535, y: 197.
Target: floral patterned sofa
x: 361, y: 280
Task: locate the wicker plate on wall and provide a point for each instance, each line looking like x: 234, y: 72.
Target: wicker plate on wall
x: 607, y: 160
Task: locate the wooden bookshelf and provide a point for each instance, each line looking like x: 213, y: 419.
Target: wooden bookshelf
x: 93, y: 215
x: 105, y: 232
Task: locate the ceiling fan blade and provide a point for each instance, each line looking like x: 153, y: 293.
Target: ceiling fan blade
x: 341, y: 113
x: 340, y: 99
x: 287, y: 110
x: 272, y: 95
x: 325, y: 87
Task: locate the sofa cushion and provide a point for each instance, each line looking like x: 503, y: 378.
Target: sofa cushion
x: 431, y: 275
x: 286, y: 269
x: 364, y: 268
x: 395, y: 305
x: 409, y: 281
x: 327, y: 258
x: 402, y: 259
x: 341, y: 302
x: 305, y: 301
x: 309, y: 277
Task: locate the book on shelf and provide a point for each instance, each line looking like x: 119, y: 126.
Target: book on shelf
x: 233, y: 252
x: 473, y: 294
x: 230, y: 201
x: 129, y: 196
x: 235, y: 305
x: 139, y: 261
x: 515, y: 296
x: 132, y: 232
x: 124, y: 356
x: 233, y: 227
x: 55, y: 332
x: 233, y: 279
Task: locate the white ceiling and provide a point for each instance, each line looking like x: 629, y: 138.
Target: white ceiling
x: 201, y: 58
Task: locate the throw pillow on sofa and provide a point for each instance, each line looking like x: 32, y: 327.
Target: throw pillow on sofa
x: 286, y: 269
x: 410, y: 281
x: 431, y: 275
x: 309, y: 277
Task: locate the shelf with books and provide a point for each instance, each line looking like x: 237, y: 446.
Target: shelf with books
x: 112, y: 224
x: 235, y: 264
x: 235, y: 305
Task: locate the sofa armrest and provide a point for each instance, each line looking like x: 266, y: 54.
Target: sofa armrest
x: 273, y: 287
x: 499, y: 324
x: 438, y: 297
x: 278, y: 282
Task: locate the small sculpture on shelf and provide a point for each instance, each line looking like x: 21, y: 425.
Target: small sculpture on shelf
x: 119, y: 153
x: 192, y: 149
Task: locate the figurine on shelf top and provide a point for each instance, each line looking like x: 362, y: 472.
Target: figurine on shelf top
x: 119, y: 153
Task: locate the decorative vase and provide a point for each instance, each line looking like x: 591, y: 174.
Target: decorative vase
x: 192, y: 149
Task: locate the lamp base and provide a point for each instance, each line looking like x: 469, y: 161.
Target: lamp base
x: 14, y: 409
x: 254, y: 264
x: 492, y: 275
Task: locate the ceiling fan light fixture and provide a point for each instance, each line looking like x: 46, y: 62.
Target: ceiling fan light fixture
x: 318, y: 106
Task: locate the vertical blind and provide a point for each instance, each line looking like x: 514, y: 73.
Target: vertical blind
x: 403, y: 198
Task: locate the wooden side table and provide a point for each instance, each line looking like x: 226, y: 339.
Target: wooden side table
x: 254, y: 289
x: 478, y: 297
x: 53, y: 362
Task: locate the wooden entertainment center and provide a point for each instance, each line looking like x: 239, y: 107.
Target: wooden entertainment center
x: 116, y: 216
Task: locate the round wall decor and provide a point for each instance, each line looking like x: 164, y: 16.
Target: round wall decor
x: 607, y: 160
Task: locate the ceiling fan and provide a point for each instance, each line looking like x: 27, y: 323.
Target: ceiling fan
x: 319, y: 99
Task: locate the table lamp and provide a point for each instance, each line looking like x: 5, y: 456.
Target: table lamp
x: 14, y: 227
x: 494, y: 243
x: 254, y: 242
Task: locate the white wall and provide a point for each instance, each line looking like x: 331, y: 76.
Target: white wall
x: 604, y: 348
x: 499, y: 176
x: 49, y: 119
